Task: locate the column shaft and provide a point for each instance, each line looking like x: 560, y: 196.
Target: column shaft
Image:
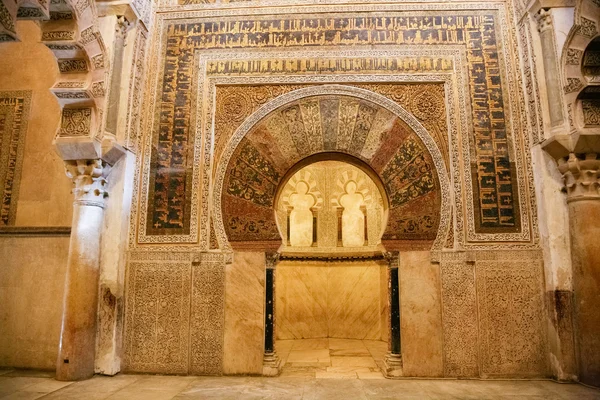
x: 78, y: 328
x: 585, y: 245
x: 269, y: 311
x: 271, y: 362
x: 394, y: 307
x: 393, y: 360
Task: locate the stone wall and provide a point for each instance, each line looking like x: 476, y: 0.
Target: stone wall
x: 44, y: 194
x: 31, y: 290
x: 35, y: 193
x: 429, y: 97
x: 331, y: 299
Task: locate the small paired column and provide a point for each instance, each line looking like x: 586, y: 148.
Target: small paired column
x: 393, y: 360
x: 363, y: 208
x: 271, y: 362
x: 339, y: 211
x: 78, y: 328
x: 315, y: 232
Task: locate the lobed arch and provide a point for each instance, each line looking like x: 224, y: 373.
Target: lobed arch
x: 579, y: 85
x: 384, y: 152
x: 289, y: 177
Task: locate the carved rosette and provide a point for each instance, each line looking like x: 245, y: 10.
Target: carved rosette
x: 582, y: 176
x: 89, y: 183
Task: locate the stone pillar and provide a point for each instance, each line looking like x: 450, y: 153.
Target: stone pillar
x: 582, y: 182
x: 393, y: 360
x: 271, y: 361
x: 78, y: 328
x: 551, y: 72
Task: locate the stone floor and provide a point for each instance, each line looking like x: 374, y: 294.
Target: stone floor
x: 26, y: 385
x: 332, y: 358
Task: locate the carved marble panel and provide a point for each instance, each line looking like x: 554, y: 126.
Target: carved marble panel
x: 459, y: 316
x: 207, y: 315
x: 76, y: 122
x: 14, y: 115
x: 157, y: 314
x: 511, y: 313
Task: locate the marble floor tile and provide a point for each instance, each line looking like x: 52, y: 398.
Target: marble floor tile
x: 21, y: 395
x: 366, y: 362
x: 15, y: 383
x: 348, y: 347
x: 98, y: 388
x: 376, y: 348
x: 326, y: 383
x: 284, y: 345
x: 391, y: 389
x: 47, y: 386
x: 31, y: 373
x: 334, y: 389
x: 336, y: 375
x: 370, y: 374
x: 309, y: 356
x: 290, y: 371
x: 341, y: 344
x: 310, y: 344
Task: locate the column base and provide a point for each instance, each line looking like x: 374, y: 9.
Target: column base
x: 271, y: 364
x: 392, y: 366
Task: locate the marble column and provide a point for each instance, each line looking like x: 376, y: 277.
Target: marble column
x: 271, y: 361
x: 551, y: 72
x: 78, y: 328
x: 582, y: 182
x: 393, y: 359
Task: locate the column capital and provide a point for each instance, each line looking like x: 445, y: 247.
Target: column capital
x: 89, y: 181
x: 581, y: 173
x: 393, y: 258
x: 578, y: 158
x: 544, y: 20
x: 121, y: 26
x: 271, y: 260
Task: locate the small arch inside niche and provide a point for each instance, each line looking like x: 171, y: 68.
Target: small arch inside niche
x: 348, y: 208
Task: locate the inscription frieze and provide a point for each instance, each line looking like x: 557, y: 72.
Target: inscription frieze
x: 494, y: 183
x: 14, y: 114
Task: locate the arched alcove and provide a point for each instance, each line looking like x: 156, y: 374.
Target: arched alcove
x: 331, y: 119
x: 327, y: 176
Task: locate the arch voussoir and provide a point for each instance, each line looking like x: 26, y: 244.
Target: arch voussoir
x: 404, y: 156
